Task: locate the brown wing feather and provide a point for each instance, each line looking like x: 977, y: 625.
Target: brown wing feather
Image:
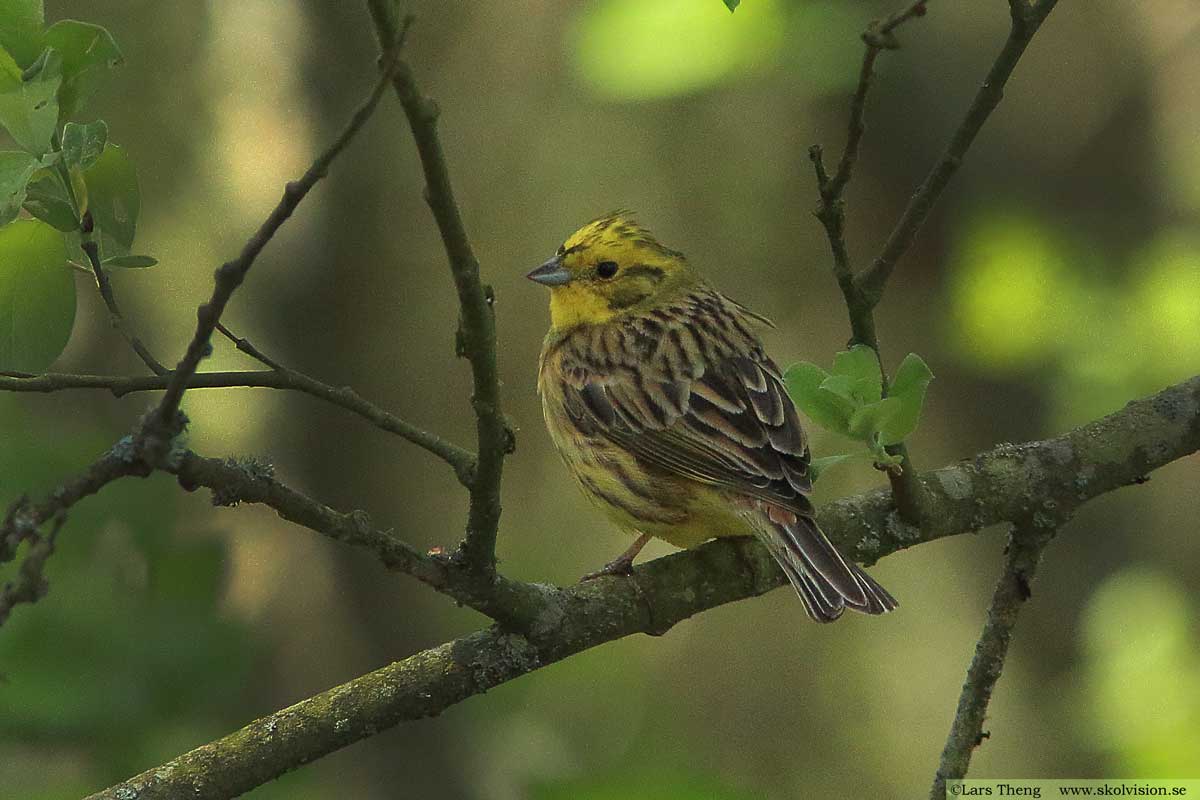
x: 711, y: 408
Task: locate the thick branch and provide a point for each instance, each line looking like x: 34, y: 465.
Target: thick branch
x: 462, y: 461
x: 1025, y: 547
x: 477, y: 327
x: 1026, y: 20
x: 1038, y: 481
x: 231, y: 274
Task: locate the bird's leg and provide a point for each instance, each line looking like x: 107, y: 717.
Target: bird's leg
x: 622, y: 564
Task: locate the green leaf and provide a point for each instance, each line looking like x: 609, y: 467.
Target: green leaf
x: 37, y: 296
x: 732, y: 4
x: 86, y: 50
x: 21, y: 29
x: 130, y: 262
x: 114, y: 200
x: 16, y: 168
x: 867, y: 420
x: 28, y: 104
x: 829, y: 410
x: 909, y: 385
x: 861, y: 365
x: 46, y: 200
x: 83, y: 144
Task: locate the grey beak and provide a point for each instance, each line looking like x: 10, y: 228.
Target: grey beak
x: 551, y: 273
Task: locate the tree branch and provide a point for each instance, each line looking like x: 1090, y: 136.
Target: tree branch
x: 462, y: 461
x: 231, y: 274
x: 1039, y: 481
x: 477, y: 326
x: 1024, y: 551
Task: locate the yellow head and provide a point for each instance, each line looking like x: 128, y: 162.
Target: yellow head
x: 610, y: 267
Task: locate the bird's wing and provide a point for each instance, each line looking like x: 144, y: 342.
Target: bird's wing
x: 712, y: 409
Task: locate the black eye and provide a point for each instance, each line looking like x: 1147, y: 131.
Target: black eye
x: 606, y: 269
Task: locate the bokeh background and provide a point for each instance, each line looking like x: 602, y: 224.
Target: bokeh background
x: 1058, y: 278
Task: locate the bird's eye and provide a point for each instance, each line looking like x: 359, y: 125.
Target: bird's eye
x: 606, y: 269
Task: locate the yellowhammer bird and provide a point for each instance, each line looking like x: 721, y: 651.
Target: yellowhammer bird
x: 660, y: 399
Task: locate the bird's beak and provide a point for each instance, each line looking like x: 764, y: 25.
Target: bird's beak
x: 551, y: 273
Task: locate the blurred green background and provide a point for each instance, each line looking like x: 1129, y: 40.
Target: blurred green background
x: 1059, y: 277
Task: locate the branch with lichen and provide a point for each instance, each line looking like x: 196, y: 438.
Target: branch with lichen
x: 1038, y: 483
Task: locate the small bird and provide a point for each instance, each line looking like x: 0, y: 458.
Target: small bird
x: 666, y: 410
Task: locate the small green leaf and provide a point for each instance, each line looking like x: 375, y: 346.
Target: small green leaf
x: 83, y: 144
x: 732, y: 4
x: 16, y: 168
x: 37, y: 296
x: 909, y: 385
x: 114, y: 200
x: 86, y: 50
x: 829, y: 410
x: 862, y: 365
x: 21, y: 29
x: 28, y: 103
x: 130, y: 262
x: 866, y: 421
x: 46, y: 200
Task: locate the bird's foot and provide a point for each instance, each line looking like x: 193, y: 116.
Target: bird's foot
x: 621, y: 565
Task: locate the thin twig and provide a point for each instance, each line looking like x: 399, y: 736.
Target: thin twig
x: 1024, y: 551
x: 24, y: 518
x: 231, y: 274
x: 462, y: 461
x: 246, y: 347
x: 234, y: 481
x: 477, y: 327
x: 1026, y: 20
x: 110, y: 299
x: 31, y: 585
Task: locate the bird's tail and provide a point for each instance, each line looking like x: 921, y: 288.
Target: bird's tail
x: 826, y: 582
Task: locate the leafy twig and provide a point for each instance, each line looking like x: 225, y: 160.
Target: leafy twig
x: 998, y: 485
x: 831, y: 211
x: 110, y: 299
x: 462, y: 461
x: 1024, y: 551
x: 231, y: 274
x: 477, y: 327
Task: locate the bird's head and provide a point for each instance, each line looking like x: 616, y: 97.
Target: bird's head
x: 610, y: 267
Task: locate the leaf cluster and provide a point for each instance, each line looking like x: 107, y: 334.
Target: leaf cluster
x: 850, y: 400
x: 65, y: 188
